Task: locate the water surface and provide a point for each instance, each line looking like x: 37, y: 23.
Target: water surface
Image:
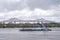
x: 15, y: 34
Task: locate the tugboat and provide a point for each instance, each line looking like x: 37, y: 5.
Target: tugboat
x: 41, y: 29
x: 37, y: 29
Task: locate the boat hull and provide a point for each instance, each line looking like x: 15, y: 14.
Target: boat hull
x: 35, y: 30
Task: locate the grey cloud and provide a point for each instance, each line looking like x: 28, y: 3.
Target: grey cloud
x: 32, y: 4
x: 56, y: 14
x: 44, y: 4
x: 11, y: 5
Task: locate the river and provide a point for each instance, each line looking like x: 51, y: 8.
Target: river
x: 15, y: 34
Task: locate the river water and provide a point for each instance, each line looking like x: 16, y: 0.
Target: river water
x: 15, y: 34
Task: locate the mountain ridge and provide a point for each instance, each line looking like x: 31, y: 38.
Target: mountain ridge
x: 19, y: 20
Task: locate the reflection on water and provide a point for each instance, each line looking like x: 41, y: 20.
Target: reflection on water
x: 15, y: 34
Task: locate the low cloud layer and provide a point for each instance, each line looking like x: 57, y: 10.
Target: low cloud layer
x: 11, y: 5
x: 30, y: 9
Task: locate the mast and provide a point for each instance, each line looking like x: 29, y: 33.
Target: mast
x: 42, y: 23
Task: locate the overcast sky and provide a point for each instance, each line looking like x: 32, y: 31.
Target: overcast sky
x: 30, y: 9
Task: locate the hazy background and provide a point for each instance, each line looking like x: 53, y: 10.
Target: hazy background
x: 30, y: 9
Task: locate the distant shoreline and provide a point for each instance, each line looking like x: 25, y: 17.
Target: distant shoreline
x: 29, y: 25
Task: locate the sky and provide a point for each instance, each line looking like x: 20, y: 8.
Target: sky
x: 30, y: 9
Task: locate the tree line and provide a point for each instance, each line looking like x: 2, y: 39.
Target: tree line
x: 25, y: 25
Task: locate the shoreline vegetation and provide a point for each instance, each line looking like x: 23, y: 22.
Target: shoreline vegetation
x: 28, y: 25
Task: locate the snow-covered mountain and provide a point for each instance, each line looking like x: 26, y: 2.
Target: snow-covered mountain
x: 45, y: 21
x: 37, y: 20
x: 13, y: 20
